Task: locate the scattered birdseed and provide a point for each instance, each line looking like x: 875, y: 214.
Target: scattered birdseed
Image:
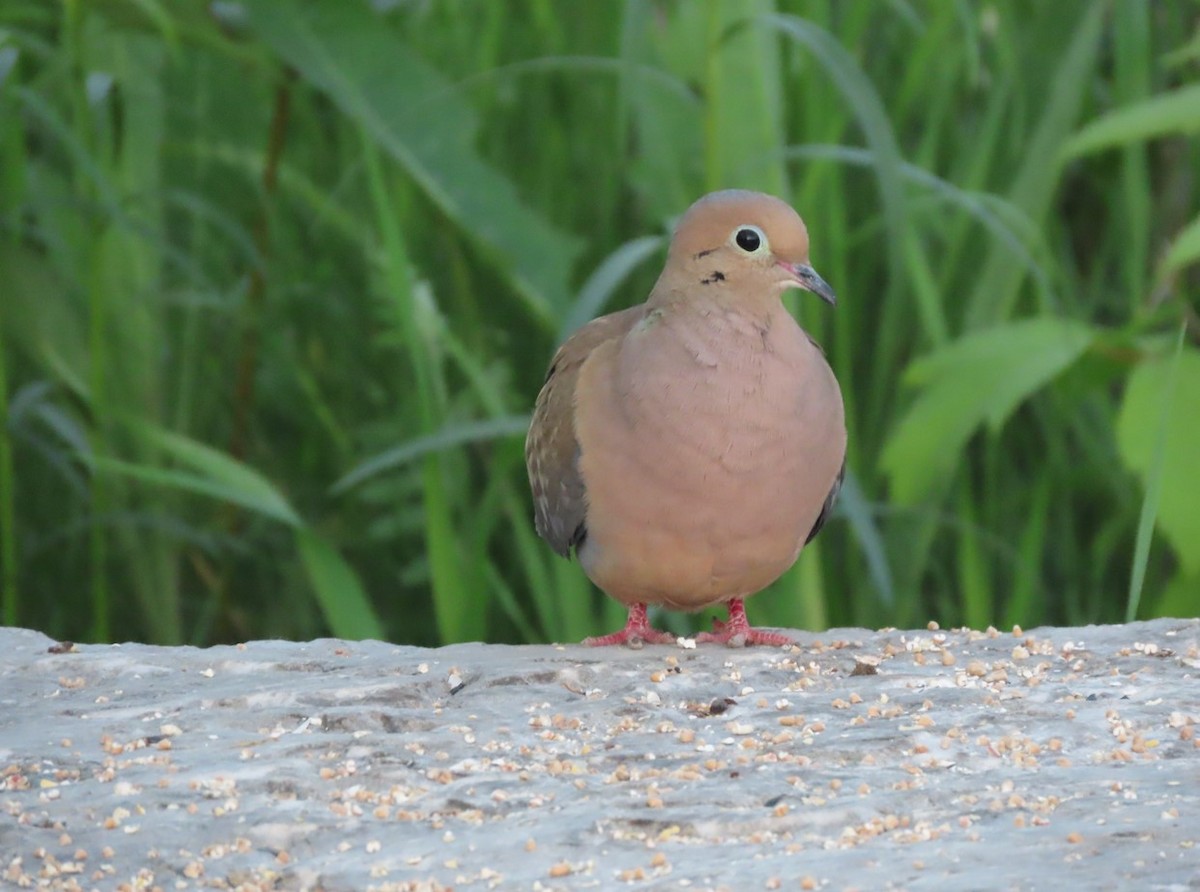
x: 783, y: 755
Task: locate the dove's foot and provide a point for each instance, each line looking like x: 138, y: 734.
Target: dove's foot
x: 637, y: 632
x: 737, y: 631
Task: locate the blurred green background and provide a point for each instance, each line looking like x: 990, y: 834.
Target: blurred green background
x: 279, y: 281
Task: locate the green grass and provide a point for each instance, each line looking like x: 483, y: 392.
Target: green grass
x: 279, y: 282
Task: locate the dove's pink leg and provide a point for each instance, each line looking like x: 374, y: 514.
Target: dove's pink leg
x: 637, y: 632
x: 737, y: 631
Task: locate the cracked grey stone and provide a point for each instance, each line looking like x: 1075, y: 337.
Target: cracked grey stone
x: 859, y: 759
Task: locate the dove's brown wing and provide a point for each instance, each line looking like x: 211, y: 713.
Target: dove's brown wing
x: 551, y: 448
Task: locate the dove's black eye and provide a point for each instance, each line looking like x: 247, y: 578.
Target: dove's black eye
x: 749, y: 238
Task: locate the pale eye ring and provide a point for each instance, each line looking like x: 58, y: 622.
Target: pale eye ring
x: 749, y: 238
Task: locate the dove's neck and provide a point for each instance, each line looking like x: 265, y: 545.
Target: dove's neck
x: 718, y: 303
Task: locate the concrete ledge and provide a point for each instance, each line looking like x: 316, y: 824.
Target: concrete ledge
x: 1051, y: 758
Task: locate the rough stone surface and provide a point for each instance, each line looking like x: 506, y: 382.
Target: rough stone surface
x: 1054, y: 758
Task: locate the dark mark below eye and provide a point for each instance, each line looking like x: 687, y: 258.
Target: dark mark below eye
x: 715, y: 276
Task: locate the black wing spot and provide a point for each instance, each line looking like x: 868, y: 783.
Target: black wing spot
x: 827, y: 508
x: 579, y: 536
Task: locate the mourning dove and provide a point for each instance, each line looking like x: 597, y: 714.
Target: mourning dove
x: 689, y: 447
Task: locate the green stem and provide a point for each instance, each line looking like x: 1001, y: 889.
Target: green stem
x: 97, y: 339
x: 97, y: 374
x: 457, y: 618
x: 9, y: 598
x: 1149, y: 513
x: 712, y: 71
x: 256, y: 296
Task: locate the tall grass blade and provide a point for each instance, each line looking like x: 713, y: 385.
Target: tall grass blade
x: 1175, y: 112
x: 449, y: 437
x: 995, y: 291
x: 1007, y: 364
x: 859, y: 513
x: 257, y: 492
x: 341, y: 597
x: 973, y: 574
x: 510, y: 604
x: 1025, y: 605
x: 9, y: 591
x: 1004, y: 221
x: 743, y: 110
x: 458, y: 619
x: 1154, y: 485
x: 1158, y: 428
x: 869, y: 111
x: 350, y: 54
x: 1133, y: 72
x: 259, y: 496
x: 1184, y: 250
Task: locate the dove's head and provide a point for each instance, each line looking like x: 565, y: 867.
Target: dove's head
x: 745, y: 243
